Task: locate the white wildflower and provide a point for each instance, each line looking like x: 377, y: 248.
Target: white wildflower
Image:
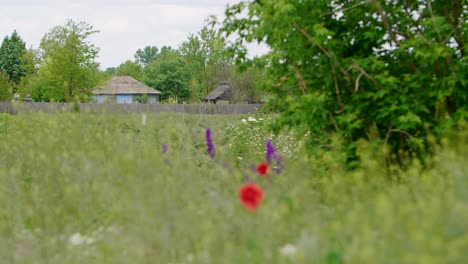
x: 77, y: 239
x: 288, y: 250
x: 244, y: 121
x: 239, y: 158
x: 251, y: 119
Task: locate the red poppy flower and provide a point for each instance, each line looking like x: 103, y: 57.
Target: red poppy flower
x: 250, y: 196
x: 262, y: 169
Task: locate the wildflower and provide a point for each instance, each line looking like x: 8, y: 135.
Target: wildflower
x: 262, y: 169
x: 270, y: 151
x: 164, y: 148
x: 251, y: 196
x: 288, y: 250
x: 252, y: 167
x: 78, y: 239
x: 251, y: 119
x: 209, y: 143
x: 279, y: 163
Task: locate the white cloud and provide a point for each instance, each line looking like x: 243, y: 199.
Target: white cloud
x: 124, y: 25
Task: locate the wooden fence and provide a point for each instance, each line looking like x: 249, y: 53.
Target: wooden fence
x: 215, y: 109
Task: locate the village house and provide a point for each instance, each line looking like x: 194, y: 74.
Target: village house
x: 125, y: 90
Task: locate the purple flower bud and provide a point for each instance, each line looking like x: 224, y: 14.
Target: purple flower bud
x: 253, y: 168
x: 270, y: 151
x: 164, y: 148
x: 248, y: 179
x: 209, y: 143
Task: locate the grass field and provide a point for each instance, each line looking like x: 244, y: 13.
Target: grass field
x: 83, y: 188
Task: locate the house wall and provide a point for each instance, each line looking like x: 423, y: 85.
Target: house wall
x: 124, y: 98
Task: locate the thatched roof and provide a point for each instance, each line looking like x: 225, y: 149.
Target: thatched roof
x: 124, y: 85
x: 222, y: 92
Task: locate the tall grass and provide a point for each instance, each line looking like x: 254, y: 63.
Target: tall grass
x: 83, y: 188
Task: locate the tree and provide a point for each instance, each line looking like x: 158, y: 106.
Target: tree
x: 147, y: 55
x: 6, y: 86
x: 130, y: 68
x: 30, y: 62
x: 69, y: 71
x: 391, y: 71
x: 204, y: 53
x: 248, y: 84
x: 11, y: 52
x: 169, y: 74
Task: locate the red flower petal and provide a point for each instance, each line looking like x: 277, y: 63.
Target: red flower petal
x: 262, y: 169
x: 250, y: 196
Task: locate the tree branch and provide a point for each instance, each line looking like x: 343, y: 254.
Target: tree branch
x: 368, y: 76
x: 300, y: 79
x: 385, y: 22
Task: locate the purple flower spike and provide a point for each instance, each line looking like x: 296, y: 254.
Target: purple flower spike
x: 209, y: 143
x: 270, y: 151
x: 279, y: 163
x: 164, y: 148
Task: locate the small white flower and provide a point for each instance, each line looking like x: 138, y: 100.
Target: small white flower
x: 288, y: 250
x: 239, y: 158
x: 77, y: 239
x: 251, y: 119
x: 244, y: 121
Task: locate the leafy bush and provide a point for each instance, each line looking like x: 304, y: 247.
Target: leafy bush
x: 386, y: 71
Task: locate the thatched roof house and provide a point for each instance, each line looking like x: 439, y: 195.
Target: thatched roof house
x: 125, y: 90
x: 223, y: 92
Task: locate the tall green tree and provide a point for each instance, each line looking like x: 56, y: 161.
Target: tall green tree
x: 130, y: 68
x: 6, y: 87
x: 30, y: 63
x: 11, y: 53
x: 170, y: 74
x: 389, y: 71
x: 147, y: 55
x: 69, y: 71
x: 204, y: 53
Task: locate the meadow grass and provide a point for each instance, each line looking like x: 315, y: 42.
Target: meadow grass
x: 84, y: 188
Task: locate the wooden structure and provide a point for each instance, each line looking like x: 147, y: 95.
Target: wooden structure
x: 125, y: 90
x: 224, y: 92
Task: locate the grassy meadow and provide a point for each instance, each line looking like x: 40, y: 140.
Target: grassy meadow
x: 84, y: 188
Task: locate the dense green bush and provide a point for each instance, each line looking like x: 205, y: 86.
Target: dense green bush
x: 387, y: 71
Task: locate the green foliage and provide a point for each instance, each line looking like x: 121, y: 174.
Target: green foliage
x: 85, y: 188
x: 6, y: 87
x: 69, y: 71
x: 30, y: 64
x: 147, y: 55
x: 169, y: 74
x: 130, y: 68
x: 12, y: 51
x: 388, y: 71
x: 204, y: 53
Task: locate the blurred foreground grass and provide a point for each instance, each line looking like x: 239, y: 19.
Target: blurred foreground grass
x: 97, y: 189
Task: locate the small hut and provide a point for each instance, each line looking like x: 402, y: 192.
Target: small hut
x: 125, y: 90
x: 224, y: 92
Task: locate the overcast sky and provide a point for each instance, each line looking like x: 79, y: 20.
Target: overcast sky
x: 124, y: 25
